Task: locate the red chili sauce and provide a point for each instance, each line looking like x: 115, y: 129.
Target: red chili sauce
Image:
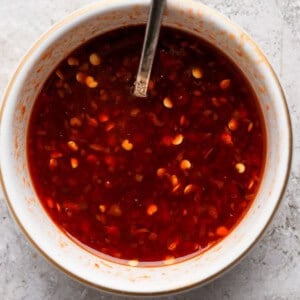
x: 146, y: 180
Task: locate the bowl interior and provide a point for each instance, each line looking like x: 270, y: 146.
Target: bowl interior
x: 26, y: 84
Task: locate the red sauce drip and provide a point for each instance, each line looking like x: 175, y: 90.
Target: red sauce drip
x: 152, y: 179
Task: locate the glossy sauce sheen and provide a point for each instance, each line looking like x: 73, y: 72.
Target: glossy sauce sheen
x: 146, y: 180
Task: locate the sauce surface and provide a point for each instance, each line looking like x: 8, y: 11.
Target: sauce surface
x: 146, y: 180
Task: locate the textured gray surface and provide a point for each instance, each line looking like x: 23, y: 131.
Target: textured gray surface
x: 272, y: 269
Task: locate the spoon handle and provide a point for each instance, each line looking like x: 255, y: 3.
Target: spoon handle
x: 149, y: 47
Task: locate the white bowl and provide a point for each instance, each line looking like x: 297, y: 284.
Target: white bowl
x: 23, y: 89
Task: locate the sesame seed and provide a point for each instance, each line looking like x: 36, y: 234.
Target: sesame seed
x: 250, y: 127
x: 161, y: 172
x: 72, y: 61
x: 185, y: 164
x: 197, y: 73
x: 240, y: 167
x: 53, y: 163
x: 177, y: 140
x: 72, y: 146
x: 91, y: 82
x: 167, y: 102
x: 75, y: 122
x: 80, y: 77
x: 225, y: 84
x: 126, y: 145
x: 174, y: 180
x: 189, y: 189
x: 152, y: 209
x: 233, y: 124
x: 95, y: 59
x: 102, y: 208
x: 74, y: 162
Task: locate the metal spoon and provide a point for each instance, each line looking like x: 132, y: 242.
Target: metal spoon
x: 149, y: 47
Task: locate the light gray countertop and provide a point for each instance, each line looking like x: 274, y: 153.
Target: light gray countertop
x: 272, y: 269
